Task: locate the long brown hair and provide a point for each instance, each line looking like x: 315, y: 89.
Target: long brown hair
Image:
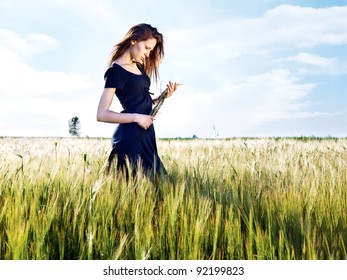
x: 142, y: 32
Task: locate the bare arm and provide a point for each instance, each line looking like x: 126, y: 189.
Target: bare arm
x: 104, y: 114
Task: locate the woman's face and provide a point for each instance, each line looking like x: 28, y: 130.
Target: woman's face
x: 140, y: 50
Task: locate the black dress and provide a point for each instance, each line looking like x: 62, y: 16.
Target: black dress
x: 130, y: 142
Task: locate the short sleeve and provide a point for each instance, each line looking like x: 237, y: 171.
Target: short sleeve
x: 114, y: 78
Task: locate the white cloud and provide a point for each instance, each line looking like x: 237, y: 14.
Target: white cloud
x: 270, y: 96
x: 279, y: 27
x: 238, y: 82
x: 307, y: 58
x: 20, y: 79
x: 26, y: 45
x: 306, y: 26
x: 33, y: 100
x: 235, y: 108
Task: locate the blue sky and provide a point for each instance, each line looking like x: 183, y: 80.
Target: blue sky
x: 249, y: 68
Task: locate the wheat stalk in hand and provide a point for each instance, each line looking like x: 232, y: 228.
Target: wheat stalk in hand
x: 160, y: 101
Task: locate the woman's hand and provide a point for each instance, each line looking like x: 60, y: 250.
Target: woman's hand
x: 171, y: 88
x: 145, y: 121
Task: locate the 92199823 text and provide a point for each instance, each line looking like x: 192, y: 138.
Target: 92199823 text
x: 220, y: 270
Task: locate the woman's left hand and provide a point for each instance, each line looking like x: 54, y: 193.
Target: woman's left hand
x: 171, y: 88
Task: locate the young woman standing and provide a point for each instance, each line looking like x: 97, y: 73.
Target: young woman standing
x: 133, y: 62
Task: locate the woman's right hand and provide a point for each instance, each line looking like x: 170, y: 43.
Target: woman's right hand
x: 145, y: 121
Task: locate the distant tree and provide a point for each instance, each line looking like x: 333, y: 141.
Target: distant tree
x: 74, y: 126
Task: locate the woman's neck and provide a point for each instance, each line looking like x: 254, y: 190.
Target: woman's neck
x: 125, y: 59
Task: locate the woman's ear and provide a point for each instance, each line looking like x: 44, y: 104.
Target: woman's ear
x: 133, y: 43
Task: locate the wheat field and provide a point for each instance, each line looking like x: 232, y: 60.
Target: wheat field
x: 223, y: 199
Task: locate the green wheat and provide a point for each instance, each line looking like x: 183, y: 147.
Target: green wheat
x: 223, y: 199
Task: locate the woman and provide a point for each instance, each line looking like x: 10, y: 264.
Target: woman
x: 133, y: 61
